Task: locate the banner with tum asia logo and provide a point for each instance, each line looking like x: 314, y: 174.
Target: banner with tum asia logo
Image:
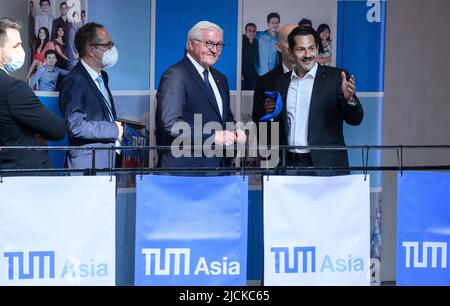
x: 57, y: 231
x: 423, y: 229
x: 191, y: 230
x: 316, y: 230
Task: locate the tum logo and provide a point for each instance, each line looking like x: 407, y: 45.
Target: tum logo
x: 37, y: 261
x: 289, y: 259
x: 172, y: 260
x: 435, y: 247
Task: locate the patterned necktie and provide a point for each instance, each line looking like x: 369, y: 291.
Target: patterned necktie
x: 105, y: 97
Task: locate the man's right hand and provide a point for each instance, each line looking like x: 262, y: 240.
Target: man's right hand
x: 269, y: 105
x: 226, y: 138
x: 120, y: 127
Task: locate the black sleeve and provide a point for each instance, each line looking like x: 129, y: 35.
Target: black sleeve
x: 352, y: 114
x: 258, y: 101
x: 28, y: 110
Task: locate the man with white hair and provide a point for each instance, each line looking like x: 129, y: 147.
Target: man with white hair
x: 190, y: 88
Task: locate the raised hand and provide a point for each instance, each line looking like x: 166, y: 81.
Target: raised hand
x: 348, y: 86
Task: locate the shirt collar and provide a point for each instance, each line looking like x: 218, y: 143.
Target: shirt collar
x: 3, y: 68
x: 311, y: 74
x: 270, y: 34
x: 285, y: 69
x: 44, y: 14
x: 94, y: 75
x: 197, y: 66
x: 48, y: 69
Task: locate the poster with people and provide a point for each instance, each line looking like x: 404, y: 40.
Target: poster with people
x: 263, y: 51
x: 52, y: 25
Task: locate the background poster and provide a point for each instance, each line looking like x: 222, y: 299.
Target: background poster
x: 52, y: 26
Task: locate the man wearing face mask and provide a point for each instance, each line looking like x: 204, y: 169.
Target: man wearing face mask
x: 24, y: 120
x: 86, y: 101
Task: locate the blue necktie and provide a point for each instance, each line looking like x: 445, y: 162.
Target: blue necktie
x: 105, y: 97
x: 210, y: 89
x: 208, y: 84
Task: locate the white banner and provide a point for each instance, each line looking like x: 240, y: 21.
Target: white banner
x: 316, y: 230
x: 57, y: 231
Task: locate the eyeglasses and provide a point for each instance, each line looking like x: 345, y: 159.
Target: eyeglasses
x: 108, y: 45
x: 210, y: 45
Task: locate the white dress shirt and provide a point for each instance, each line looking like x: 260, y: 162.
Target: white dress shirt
x: 298, y: 105
x: 94, y: 74
x: 200, y: 70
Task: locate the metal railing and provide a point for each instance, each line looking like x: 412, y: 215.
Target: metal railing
x: 241, y: 168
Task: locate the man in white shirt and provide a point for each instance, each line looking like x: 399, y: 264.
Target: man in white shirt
x: 43, y: 18
x: 316, y: 101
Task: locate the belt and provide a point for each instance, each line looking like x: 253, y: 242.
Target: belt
x: 298, y: 156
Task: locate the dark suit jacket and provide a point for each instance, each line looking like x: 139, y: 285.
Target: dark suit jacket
x: 328, y: 111
x: 87, y: 120
x: 182, y: 94
x: 22, y: 116
x: 265, y: 83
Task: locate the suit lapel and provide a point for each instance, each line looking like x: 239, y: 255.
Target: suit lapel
x: 319, y: 82
x: 96, y: 91
x: 201, y: 84
x: 285, y: 81
x: 223, y: 95
x: 106, y: 80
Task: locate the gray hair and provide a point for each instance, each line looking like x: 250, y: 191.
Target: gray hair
x: 195, y: 31
x: 5, y: 24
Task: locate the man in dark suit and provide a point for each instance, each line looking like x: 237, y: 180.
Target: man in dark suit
x: 86, y: 101
x: 263, y: 104
x: 62, y: 22
x: 24, y: 120
x: 316, y: 101
x: 192, y: 88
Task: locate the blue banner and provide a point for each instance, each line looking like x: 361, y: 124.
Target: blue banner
x: 191, y: 231
x: 170, y: 40
x: 423, y: 229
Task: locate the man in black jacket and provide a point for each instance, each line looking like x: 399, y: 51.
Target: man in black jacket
x: 264, y: 104
x: 24, y: 120
x: 316, y: 101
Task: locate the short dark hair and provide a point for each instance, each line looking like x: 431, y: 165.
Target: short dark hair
x: 302, y: 31
x: 5, y: 24
x: 40, y: 2
x: 250, y: 24
x: 273, y: 15
x: 49, y: 52
x: 305, y: 22
x: 87, y: 34
x: 62, y: 3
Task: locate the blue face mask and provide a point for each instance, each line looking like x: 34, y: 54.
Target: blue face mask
x: 17, y: 61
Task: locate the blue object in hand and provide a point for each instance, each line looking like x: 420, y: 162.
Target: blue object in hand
x: 278, y: 106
